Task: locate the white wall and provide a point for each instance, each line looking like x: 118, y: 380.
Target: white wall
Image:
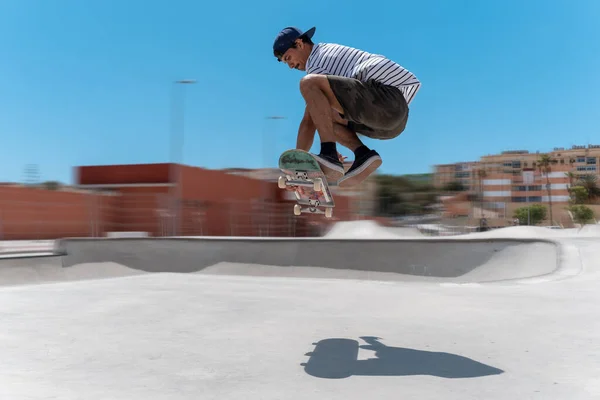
x: 498, y: 193
x: 556, y: 198
x: 491, y: 182
x: 560, y: 174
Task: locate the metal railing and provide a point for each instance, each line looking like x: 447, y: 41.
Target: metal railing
x: 153, y: 215
x: 97, y: 215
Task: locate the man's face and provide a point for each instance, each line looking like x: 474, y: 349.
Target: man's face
x: 296, y: 57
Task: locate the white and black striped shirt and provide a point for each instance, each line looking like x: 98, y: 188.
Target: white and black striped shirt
x: 336, y: 59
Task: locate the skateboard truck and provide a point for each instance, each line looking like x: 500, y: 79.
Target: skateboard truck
x: 301, y: 170
x: 316, y: 185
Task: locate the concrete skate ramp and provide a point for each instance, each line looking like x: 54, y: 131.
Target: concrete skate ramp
x: 589, y: 230
x: 48, y: 269
x: 406, y: 259
x: 369, y: 230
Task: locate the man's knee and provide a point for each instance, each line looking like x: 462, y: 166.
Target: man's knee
x: 311, y: 82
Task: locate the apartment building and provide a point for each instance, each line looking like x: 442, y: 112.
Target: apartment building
x: 464, y: 173
x: 515, y: 176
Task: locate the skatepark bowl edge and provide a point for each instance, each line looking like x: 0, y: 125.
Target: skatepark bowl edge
x: 402, y: 259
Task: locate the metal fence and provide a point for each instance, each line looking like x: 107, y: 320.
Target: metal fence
x: 98, y: 215
x: 152, y: 215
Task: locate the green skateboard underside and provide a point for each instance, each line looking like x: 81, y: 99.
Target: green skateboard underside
x: 301, y: 168
x: 298, y: 160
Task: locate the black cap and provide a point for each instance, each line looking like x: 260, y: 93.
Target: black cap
x: 286, y: 38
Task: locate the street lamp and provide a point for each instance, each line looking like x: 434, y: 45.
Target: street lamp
x: 177, y: 119
x: 176, y: 145
x: 265, y: 184
x: 266, y: 137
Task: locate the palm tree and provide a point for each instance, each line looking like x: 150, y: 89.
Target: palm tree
x: 481, y: 174
x: 590, y: 182
x: 544, y: 165
x: 572, y: 177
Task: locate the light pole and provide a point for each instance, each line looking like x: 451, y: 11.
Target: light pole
x: 267, y: 137
x: 267, y: 141
x: 176, y: 149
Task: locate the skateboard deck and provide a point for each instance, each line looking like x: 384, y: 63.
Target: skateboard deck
x: 303, y: 173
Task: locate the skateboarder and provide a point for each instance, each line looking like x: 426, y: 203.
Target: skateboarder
x: 347, y: 91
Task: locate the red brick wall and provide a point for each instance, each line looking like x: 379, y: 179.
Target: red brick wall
x: 232, y: 203
x: 213, y: 203
x: 30, y: 213
x: 122, y: 174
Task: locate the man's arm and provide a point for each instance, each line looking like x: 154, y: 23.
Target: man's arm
x: 306, y: 132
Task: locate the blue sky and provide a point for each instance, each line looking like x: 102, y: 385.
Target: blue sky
x: 90, y: 82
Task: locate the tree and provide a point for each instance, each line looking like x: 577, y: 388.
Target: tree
x: 579, y: 194
x: 581, y: 214
x: 544, y: 165
x: 51, y: 185
x: 387, y: 200
x: 455, y: 186
x: 401, y: 195
x: 481, y: 175
x: 531, y: 215
x: 572, y: 177
x: 590, y: 183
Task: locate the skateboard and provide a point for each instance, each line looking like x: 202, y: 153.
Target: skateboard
x: 302, y: 171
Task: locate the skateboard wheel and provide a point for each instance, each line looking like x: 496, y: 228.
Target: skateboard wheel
x: 297, y: 209
x: 317, y: 185
x: 328, y: 212
x: 281, y: 182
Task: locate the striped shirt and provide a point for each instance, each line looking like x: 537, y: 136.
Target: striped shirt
x: 339, y: 60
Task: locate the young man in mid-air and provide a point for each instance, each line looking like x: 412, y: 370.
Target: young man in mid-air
x: 347, y: 91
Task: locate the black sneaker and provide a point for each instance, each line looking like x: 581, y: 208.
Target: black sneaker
x: 361, y: 169
x: 332, y: 167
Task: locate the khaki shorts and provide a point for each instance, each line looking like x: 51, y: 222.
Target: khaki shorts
x: 373, y: 109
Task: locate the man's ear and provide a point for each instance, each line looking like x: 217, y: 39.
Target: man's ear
x: 299, y: 43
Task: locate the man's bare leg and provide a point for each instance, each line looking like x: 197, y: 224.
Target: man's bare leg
x: 343, y: 135
x: 322, y: 105
x: 325, y: 110
x: 319, y: 103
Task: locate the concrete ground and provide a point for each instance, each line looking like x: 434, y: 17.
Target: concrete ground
x: 96, y: 325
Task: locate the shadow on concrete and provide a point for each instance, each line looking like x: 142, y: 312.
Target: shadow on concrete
x: 336, y: 358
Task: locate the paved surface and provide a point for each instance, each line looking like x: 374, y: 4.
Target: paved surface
x: 527, y: 332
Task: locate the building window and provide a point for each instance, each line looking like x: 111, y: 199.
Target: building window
x: 523, y: 199
x: 531, y: 188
